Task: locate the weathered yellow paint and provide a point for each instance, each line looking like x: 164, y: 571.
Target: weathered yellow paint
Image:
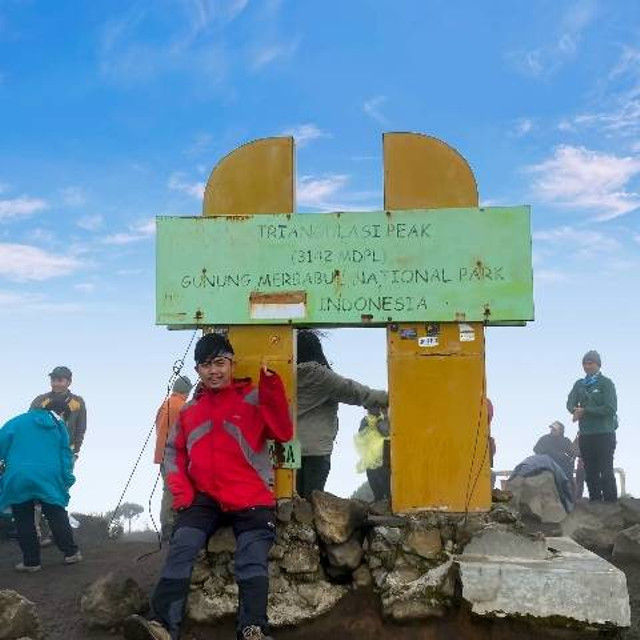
x: 258, y: 177
x: 439, y: 442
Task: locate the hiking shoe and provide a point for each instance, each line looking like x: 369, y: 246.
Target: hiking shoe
x: 138, y: 628
x: 253, y: 632
x: 74, y: 559
x: 21, y: 567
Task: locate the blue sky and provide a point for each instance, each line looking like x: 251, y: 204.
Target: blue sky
x: 113, y: 112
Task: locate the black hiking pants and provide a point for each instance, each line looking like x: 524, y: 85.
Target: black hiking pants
x: 597, y: 451
x: 58, y: 520
x: 312, y: 475
x: 254, y: 529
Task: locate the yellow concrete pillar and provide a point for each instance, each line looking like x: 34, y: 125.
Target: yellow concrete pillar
x: 439, y: 443
x: 255, y: 178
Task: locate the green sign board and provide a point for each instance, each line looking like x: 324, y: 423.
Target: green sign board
x: 285, y: 455
x: 346, y: 269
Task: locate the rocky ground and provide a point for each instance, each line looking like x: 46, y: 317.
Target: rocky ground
x: 57, y: 590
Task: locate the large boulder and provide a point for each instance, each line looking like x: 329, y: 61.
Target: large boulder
x: 336, y: 518
x: 536, y: 497
x: 18, y: 616
x: 109, y: 600
x: 627, y: 544
x: 595, y: 525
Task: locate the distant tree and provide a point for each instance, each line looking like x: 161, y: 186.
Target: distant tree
x: 129, y: 511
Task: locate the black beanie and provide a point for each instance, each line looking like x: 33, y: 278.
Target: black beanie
x: 212, y: 345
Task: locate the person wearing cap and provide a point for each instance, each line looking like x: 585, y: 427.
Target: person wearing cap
x: 165, y: 417
x: 60, y: 379
x: 593, y: 404
x: 558, y: 447
x: 219, y: 472
x: 38, y: 468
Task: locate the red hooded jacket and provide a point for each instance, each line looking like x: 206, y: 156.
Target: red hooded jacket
x: 218, y: 445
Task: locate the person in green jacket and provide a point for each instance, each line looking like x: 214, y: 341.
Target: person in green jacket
x: 594, y: 405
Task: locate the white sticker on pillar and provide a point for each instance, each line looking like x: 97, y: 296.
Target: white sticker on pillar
x: 428, y: 341
x: 467, y: 333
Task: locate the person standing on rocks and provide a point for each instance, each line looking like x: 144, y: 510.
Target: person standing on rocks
x: 219, y: 472
x: 320, y: 390
x: 38, y: 468
x: 60, y: 379
x: 593, y: 405
x: 165, y: 418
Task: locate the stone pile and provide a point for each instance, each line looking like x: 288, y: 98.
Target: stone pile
x: 328, y: 546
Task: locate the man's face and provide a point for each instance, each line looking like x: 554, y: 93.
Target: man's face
x: 59, y: 385
x: 590, y: 367
x: 216, y: 373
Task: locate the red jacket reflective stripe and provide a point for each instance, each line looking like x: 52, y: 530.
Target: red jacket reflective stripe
x: 218, y: 445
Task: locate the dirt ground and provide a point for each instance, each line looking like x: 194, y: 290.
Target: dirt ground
x: 56, y: 590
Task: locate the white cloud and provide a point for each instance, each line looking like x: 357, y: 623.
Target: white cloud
x: 21, y: 207
x: 73, y: 196
x: 551, y: 276
x: 305, y: 133
x: 177, y: 182
x: 34, y: 302
x: 563, y: 44
x: 21, y: 262
x: 372, y: 108
x: 328, y: 193
x: 572, y: 239
x: 269, y: 54
x: 90, y: 222
x: 577, y: 177
x: 85, y: 287
x: 136, y: 233
x: 523, y: 126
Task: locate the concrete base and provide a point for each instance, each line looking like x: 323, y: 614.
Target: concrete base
x: 570, y: 583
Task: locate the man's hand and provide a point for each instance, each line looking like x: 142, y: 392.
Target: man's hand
x: 264, y: 368
x: 578, y: 412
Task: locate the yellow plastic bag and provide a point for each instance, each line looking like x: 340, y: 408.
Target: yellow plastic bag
x: 369, y: 443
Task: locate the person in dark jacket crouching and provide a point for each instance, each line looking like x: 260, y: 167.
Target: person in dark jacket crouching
x: 593, y: 404
x: 219, y: 472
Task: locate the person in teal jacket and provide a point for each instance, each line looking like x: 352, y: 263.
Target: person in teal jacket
x: 38, y: 467
x: 594, y: 405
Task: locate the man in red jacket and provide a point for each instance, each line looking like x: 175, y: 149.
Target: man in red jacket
x: 219, y: 472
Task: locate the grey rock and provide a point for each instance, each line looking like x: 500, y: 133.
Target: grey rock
x: 347, y: 555
x: 627, y: 543
x: 536, y: 497
x: 424, y: 542
x: 301, y: 559
x: 201, y: 569
x: 362, y: 577
x: 276, y: 552
x: 284, y: 511
x: 222, y: 540
x: 303, y: 511
x: 500, y: 495
x: 630, y: 509
x: 427, y: 596
x: 109, y: 600
x: 303, y: 603
x: 336, y: 518
x: 498, y: 541
x: 595, y: 525
x: 571, y: 583
x: 18, y: 616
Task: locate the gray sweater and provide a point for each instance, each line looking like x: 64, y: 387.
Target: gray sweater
x: 320, y: 390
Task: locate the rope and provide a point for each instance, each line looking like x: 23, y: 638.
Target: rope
x: 176, y: 369
x: 471, y: 487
